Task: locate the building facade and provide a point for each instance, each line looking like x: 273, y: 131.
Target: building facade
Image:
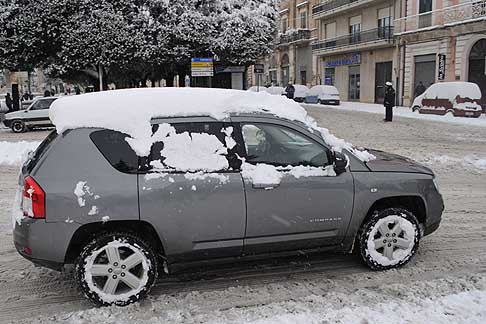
x: 355, y: 50
x: 440, y: 41
x: 291, y: 60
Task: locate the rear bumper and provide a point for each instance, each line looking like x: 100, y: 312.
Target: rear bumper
x: 48, y: 242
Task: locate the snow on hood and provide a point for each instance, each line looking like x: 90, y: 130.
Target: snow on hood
x: 130, y: 111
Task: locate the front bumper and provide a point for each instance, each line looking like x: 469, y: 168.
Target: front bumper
x: 47, y: 242
x: 330, y: 102
x: 435, y: 206
x: 7, y: 123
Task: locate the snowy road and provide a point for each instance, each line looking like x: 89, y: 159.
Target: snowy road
x: 446, y: 281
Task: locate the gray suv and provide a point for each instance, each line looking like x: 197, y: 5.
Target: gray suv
x: 87, y: 199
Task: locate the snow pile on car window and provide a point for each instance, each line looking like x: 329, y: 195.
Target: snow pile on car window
x: 130, y: 111
x: 191, y: 153
x: 13, y: 153
x: 266, y: 174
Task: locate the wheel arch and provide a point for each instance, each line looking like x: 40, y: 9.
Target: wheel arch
x: 87, y: 232
x: 414, y: 204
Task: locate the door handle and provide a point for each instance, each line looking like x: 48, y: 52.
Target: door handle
x: 266, y: 186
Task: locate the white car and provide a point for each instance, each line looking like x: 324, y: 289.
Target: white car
x: 459, y: 99
x: 323, y: 94
x: 36, y: 115
x: 301, y: 92
x: 271, y: 90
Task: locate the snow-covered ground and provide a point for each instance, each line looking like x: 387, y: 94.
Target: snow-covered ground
x: 404, y: 112
x: 11, y: 153
x: 445, y: 282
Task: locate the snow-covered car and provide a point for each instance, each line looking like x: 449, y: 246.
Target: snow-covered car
x: 163, y: 178
x: 274, y: 90
x: 323, y: 94
x: 36, y: 115
x: 301, y: 92
x: 460, y: 99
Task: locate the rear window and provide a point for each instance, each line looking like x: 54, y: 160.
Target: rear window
x: 116, y: 150
x: 46, y: 143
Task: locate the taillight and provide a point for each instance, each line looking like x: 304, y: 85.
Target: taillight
x: 33, y: 199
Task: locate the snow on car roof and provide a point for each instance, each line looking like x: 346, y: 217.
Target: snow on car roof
x: 130, y: 111
x: 450, y: 90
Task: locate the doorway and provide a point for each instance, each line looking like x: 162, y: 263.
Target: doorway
x: 354, y: 83
x: 383, y: 73
x: 424, y: 71
x: 477, y: 68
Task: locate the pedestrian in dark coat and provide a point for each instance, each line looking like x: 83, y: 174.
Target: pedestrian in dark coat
x: 8, y: 102
x: 419, y: 89
x: 290, y: 90
x: 389, y: 101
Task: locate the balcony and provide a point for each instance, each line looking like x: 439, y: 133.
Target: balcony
x: 445, y: 17
x: 296, y: 36
x: 368, y: 39
x: 331, y: 7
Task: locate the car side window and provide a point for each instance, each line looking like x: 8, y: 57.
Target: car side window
x: 281, y: 146
x: 209, y: 139
x: 116, y: 150
x: 42, y: 104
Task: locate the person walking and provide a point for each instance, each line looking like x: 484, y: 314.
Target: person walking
x: 419, y: 89
x: 389, y: 101
x: 9, y: 102
x: 290, y: 90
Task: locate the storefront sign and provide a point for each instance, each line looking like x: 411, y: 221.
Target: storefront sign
x: 442, y: 66
x: 259, y: 68
x: 348, y: 60
x: 202, y: 67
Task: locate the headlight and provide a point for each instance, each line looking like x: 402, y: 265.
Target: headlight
x: 434, y: 180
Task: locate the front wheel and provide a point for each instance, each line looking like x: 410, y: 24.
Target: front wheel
x: 18, y: 126
x: 116, y: 268
x: 389, y: 239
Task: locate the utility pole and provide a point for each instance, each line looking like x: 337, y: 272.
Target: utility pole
x: 100, y: 74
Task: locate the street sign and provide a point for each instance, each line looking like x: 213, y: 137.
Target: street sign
x: 202, y: 67
x: 442, y: 65
x: 259, y: 68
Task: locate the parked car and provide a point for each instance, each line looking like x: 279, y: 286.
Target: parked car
x: 301, y: 92
x: 274, y: 90
x: 460, y: 99
x: 323, y: 94
x: 36, y: 115
x: 252, y: 183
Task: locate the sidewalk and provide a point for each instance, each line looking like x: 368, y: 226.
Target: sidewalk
x: 404, y: 112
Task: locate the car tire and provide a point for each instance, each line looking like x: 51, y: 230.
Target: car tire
x: 396, y: 245
x: 116, y: 268
x: 415, y: 109
x: 18, y: 126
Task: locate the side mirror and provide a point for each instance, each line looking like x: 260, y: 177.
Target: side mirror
x: 340, y: 162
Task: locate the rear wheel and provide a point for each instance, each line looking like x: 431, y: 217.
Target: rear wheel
x: 18, y: 126
x: 389, y: 238
x: 116, y: 268
x: 415, y: 109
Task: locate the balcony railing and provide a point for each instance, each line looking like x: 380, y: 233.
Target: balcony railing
x: 372, y: 35
x: 295, y: 35
x: 330, y: 5
x: 453, y: 15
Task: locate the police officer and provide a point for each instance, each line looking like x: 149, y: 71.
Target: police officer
x: 389, y: 101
